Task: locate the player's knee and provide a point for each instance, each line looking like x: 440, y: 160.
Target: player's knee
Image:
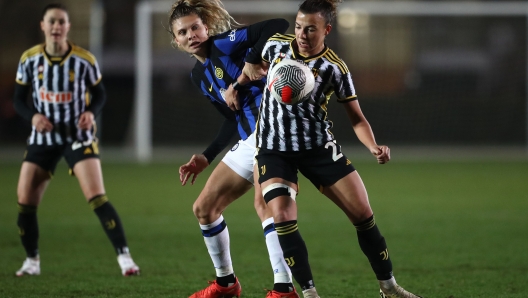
x: 204, y: 207
x: 275, y: 190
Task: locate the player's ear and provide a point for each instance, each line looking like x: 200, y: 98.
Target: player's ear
x: 328, y: 29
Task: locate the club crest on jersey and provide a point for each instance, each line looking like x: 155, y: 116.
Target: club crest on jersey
x: 54, y: 97
x: 40, y: 68
x: 232, y: 35
x: 219, y: 72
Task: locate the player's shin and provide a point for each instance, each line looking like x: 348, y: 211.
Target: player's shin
x: 111, y: 223
x: 295, y: 253
x: 216, y: 237
x: 282, y: 278
x: 374, y: 247
x: 28, y: 229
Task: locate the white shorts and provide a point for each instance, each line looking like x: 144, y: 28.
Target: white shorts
x: 241, y: 158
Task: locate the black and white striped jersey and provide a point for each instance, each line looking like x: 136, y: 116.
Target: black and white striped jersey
x: 60, y: 91
x: 302, y: 126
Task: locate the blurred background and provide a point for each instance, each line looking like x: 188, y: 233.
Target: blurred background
x: 433, y: 77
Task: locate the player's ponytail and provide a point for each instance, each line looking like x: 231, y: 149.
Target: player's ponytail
x: 212, y: 13
x: 328, y: 8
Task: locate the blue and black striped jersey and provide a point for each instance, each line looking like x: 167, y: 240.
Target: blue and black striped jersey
x: 225, y: 63
x: 227, y: 55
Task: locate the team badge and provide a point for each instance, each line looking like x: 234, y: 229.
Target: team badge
x: 40, y: 68
x: 219, y: 72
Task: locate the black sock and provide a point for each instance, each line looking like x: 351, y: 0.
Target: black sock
x: 283, y: 287
x: 224, y: 281
x: 110, y: 221
x: 374, y: 247
x: 28, y: 229
x: 295, y: 253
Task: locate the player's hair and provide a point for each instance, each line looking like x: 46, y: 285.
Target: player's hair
x: 212, y: 13
x: 327, y: 8
x: 53, y: 6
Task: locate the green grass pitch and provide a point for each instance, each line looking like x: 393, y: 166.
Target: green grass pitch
x: 454, y: 230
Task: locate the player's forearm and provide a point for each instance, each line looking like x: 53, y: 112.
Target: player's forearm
x: 19, y: 102
x: 365, y: 134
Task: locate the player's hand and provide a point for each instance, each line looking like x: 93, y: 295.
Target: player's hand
x: 86, y: 120
x: 41, y: 123
x: 255, y: 71
x: 231, y: 98
x: 382, y: 153
x: 194, y: 167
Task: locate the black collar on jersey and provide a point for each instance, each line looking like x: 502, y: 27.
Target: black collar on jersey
x: 298, y: 56
x: 57, y: 59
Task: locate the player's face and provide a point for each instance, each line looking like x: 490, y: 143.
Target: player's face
x: 310, y: 32
x: 190, y: 34
x: 55, y: 25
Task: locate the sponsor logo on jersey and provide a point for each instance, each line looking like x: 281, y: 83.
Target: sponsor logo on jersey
x: 222, y: 93
x: 219, y: 72
x: 54, y: 97
x: 232, y: 35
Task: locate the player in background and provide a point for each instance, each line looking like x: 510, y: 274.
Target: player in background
x: 61, y: 75
x: 293, y: 138
x: 204, y: 29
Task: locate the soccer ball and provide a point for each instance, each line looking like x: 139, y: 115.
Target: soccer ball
x: 291, y: 82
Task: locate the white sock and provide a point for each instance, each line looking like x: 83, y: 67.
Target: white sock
x: 217, y: 244
x: 281, y: 271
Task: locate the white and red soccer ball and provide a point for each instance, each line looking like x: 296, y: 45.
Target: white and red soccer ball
x: 291, y: 82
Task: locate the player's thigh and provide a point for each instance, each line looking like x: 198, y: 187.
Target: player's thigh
x: 277, y: 175
x: 37, y: 169
x: 221, y: 189
x: 84, y: 163
x: 325, y: 165
x: 241, y: 158
x: 32, y: 183
x: 349, y: 194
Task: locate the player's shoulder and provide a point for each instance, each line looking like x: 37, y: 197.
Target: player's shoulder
x: 198, y: 72
x: 282, y: 38
x: 83, y: 54
x: 31, y: 52
x: 335, y: 60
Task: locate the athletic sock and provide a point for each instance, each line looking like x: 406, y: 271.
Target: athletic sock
x: 374, y: 247
x: 216, y: 237
x: 295, y: 253
x: 110, y: 221
x: 281, y: 272
x: 28, y: 229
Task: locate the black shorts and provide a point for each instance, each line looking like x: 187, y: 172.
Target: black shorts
x: 323, y: 166
x: 47, y: 157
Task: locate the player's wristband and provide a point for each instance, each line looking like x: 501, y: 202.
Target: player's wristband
x: 237, y: 86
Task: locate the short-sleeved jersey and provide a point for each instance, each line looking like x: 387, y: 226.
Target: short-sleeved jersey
x: 60, y: 91
x: 225, y: 63
x: 302, y: 126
